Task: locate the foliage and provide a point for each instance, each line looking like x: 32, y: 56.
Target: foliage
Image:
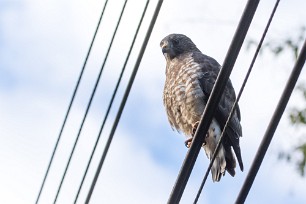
x: 298, y: 117
x: 291, y: 43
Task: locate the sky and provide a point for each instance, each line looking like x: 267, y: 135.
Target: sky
x: 43, y: 45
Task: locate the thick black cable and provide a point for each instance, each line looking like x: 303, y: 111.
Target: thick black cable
x: 89, y: 103
x: 236, y: 101
x: 111, y: 101
x: 124, y: 99
x: 71, y: 102
x: 272, y: 126
x: 213, y: 101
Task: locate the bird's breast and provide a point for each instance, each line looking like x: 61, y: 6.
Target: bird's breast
x: 183, y: 95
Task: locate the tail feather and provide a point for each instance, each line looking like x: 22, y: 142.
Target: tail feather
x: 230, y: 160
x: 225, y: 159
x: 219, y: 166
x: 235, y: 143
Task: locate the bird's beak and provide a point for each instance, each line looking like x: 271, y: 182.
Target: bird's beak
x: 165, y: 46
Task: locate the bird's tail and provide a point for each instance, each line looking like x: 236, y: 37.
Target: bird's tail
x: 225, y: 159
x: 230, y: 160
x: 219, y: 166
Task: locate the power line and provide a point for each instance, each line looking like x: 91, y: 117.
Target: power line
x: 237, y: 100
x: 213, y: 101
x: 124, y: 99
x: 70, y: 104
x: 111, y: 101
x: 272, y: 126
x: 90, y: 101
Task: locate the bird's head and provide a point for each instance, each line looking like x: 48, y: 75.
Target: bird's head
x: 175, y: 45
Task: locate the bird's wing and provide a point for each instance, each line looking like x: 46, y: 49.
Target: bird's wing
x: 211, y: 69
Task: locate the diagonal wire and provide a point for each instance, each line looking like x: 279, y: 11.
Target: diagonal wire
x: 111, y: 101
x: 264, y: 145
x: 89, y: 103
x: 236, y: 101
x: 124, y: 99
x: 70, y: 104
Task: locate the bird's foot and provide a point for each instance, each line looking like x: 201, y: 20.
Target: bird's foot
x: 204, y: 143
x: 188, y: 142
x: 194, y: 128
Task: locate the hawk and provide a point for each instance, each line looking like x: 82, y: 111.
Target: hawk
x: 190, y: 76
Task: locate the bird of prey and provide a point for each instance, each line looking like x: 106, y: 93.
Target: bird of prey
x: 190, y: 76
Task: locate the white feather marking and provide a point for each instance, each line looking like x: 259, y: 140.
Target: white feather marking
x: 219, y: 165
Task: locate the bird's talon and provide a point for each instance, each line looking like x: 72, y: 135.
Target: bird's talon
x: 194, y: 128
x: 204, y: 143
x: 188, y: 142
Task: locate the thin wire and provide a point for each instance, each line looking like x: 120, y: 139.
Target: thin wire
x: 70, y: 104
x: 213, y: 101
x: 236, y: 101
x: 90, y: 101
x: 111, y: 101
x: 272, y: 126
x: 124, y: 99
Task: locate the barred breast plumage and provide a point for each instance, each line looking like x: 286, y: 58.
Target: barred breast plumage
x: 183, y: 96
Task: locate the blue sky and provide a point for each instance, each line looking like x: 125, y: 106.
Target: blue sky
x: 42, y: 48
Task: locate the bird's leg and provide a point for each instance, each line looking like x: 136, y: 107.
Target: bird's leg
x: 189, y: 140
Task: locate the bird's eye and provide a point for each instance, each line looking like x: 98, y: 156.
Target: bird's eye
x: 175, y: 41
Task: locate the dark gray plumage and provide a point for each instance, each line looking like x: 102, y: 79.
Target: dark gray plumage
x: 190, y: 76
